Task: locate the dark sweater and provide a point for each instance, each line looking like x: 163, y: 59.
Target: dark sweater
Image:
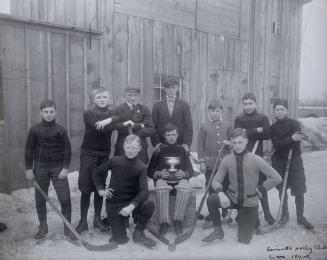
x: 281, y: 137
x: 98, y: 142
x: 47, y: 142
x: 128, y: 180
x: 157, y: 162
x: 251, y: 122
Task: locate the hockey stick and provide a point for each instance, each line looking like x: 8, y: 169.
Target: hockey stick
x: 157, y: 235
x: 80, y: 239
x: 276, y: 224
x: 181, y: 238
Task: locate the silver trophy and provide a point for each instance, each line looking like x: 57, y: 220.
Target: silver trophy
x: 172, y: 162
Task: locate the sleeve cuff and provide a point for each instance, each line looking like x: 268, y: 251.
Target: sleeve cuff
x: 98, y: 188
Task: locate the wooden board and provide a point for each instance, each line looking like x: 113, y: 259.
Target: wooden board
x: 187, y: 64
x: 158, y: 47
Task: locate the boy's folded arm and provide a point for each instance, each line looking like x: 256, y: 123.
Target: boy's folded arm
x: 281, y: 143
x: 99, y: 171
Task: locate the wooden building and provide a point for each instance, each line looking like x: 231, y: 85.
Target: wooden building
x: 61, y: 49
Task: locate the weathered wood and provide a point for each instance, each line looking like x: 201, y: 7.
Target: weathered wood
x: 91, y: 18
x: 177, y: 46
x: 71, y: 12
x: 93, y: 67
x: 49, y: 65
x: 237, y: 56
x: 169, y: 49
x: 51, y: 11
x: 81, y: 13
x: 245, y: 20
x: 187, y: 64
x: 158, y: 47
x: 176, y: 12
x: 61, y: 11
x: 67, y: 76
x: 202, y: 97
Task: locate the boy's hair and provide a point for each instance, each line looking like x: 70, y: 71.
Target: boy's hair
x: 132, y: 138
x: 170, y: 127
x: 47, y: 103
x: 97, y: 91
x: 239, y: 132
x: 282, y: 102
x: 249, y: 96
x: 214, y: 104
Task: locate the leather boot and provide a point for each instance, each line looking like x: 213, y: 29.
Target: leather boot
x: 43, y: 230
x: 139, y: 237
x: 217, y: 233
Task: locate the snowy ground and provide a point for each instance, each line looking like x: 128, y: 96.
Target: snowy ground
x: 18, y: 212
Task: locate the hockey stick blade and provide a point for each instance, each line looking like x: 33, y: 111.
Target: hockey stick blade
x: 80, y: 239
x: 158, y: 235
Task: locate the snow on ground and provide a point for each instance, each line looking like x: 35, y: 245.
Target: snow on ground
x: 18, y: 212
x: 316, y: 130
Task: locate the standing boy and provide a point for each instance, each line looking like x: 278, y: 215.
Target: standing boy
x: 138, y: 119
x: 172, y: 110
x: 286, y: 135
x: 171, y: 175
x: 242, y: 169
x: 99, y: 124
x: 258, y: 128
x: 47, y: 157
x: 127, y: 194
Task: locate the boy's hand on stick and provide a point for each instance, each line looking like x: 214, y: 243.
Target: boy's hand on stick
x: 157, y: 148
x: 107, y: 193
x: 224, y: 200
x: 101, y: 124
x: 29, y: 174
x: 63, y: 174
x: 202, y: 167
x: 186, y: 148
x: 127, y: 210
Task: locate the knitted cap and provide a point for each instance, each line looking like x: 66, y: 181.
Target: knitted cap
x: 282, y: 102
x: 214, y: 104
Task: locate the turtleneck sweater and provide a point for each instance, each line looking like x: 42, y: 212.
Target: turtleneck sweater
x: 128, y: 180
x: 47, y: 142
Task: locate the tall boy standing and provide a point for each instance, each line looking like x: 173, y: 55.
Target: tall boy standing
x: 47, y: 157
x: 258, y: 128
x: 127, y: 193
x: 138, y: 118
x: 99, y: 124
x: 286, y: 135
x: 243, y: 169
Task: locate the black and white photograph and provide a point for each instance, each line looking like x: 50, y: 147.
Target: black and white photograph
x: 163, y: 129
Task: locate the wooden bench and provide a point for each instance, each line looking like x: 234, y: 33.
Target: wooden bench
x: 189, y: 212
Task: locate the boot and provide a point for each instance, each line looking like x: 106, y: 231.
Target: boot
x: 82, y: 226
x: 269, y: 219
x: 285, y: 218
x: 201, y: 217
x: 207, y: 218
x: 139, y: 237
x: 178, y: 225
x: 163, y: 228
x: 120, y: 242
x: 43, y: 230
x: 304, y: 223
x: 217, y: 233
x: 224, y: 212
x: 97, y: 223
x: 69, y: 234
x: 2, y: 227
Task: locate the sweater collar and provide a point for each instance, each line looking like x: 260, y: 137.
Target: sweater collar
x: 251, y: 114
x: 46, y: 123
x: 130, y: 159
x: 100, y: 109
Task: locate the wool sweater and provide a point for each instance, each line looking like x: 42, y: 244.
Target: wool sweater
x: 128, y: 180
x: 252, y: 165
x: 251, y: 122
x: 98, y: 141
x: 281, y: 137
x: 47, y: 142
x: 158, y: 162
x: 210, y: 140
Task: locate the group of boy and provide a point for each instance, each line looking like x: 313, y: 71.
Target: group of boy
x: 170, y: 128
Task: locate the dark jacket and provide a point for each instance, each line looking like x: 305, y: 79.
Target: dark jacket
x: 181, y: 117
x: 251, y: 122
x: 139, y: 115
x: 47, y: 142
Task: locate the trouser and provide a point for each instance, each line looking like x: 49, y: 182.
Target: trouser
x: 183, y: 195
x: 44, y: 172
x: 264, y: 199
x: 246, y: 217
x: 208, y: 175
x: 141, y: 215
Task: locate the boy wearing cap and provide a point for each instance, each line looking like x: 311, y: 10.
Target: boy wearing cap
x: 258, y: 128
x: 212, y: 135
x: 172, y: 110
x: 138, y: 122
x: 243, y: 169
x: 286, y: 135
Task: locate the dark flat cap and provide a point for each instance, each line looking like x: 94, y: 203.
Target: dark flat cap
x: 214, y: 104
x: 281, y: 101
x: 170, y: 81
x: 130, y: 88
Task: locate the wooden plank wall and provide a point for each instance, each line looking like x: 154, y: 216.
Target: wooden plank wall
x: 221, y: 49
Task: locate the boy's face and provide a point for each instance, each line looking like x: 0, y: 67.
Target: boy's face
x: 132, y: 149
x: 249, y: 106
x: 101, y: 99
x: 215, y: 114
x: 280, y: 111
x: 171, y: 91
x: 239, y: 143
x: 132, y: 97
x: 171, y: 137
x: 48, y: 113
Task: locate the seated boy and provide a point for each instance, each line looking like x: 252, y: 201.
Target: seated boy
x: 127, y: 193
x: 242, y: 169
x: 170, y: 167
x: 286, y: 135
x: 47, y: 157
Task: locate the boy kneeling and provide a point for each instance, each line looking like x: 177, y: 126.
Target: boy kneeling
x: 170, y: 167
x: 243, y: 193
x: 127, y: 193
